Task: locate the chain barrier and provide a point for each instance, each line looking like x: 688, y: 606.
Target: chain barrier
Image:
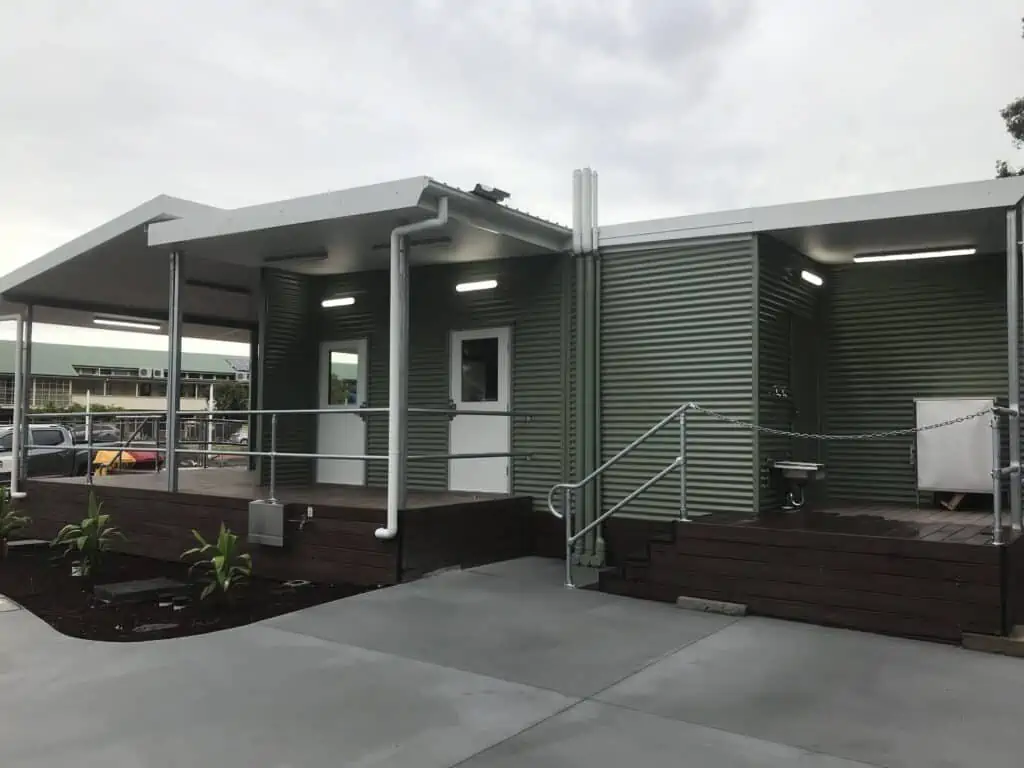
x: 811, y: 436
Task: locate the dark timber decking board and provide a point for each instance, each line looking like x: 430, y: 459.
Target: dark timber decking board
x: 912, y: 572
x: 436, y: 529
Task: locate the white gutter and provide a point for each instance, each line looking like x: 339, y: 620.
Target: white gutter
x: 398, y: 364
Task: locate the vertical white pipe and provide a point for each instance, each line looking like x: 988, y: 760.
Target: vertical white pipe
x: 398, y: 362
x: 577, y: 211
x: 1013, y: 300
x: 19, y: 416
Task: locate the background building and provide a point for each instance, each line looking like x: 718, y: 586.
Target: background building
x: 133, y: 379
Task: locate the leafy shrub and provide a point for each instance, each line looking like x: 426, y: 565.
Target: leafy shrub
x: 91, y: 538
x: 226, y: 566
x: 10, y: 520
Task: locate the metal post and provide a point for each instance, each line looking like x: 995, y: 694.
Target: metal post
x: 27, y: 390
x: 1013, y: 299
x: 209, y: 428
x: 567, y: 514
x: 88, y: 437
x: 174, y: 319
x: 684, y: 515
x: 20, y: 418
x: 273, y: 458
x: 997, y: 484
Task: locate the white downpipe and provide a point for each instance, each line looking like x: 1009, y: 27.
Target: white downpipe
x: 398, y: 363
x: 19, y: 414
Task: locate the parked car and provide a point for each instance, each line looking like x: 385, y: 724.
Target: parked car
x: 240, y: 436
x: 101, y: 434
x: 51, y: 452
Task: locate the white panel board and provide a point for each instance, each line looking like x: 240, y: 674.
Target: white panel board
x: 957, y: 458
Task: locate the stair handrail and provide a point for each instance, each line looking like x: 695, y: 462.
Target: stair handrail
x: 616, y: 458
x: 568, y: 488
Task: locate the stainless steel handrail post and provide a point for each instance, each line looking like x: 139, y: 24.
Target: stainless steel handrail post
x: 88, y: 442
x: 567, y: 512
x: 683, y: 514
x: 273, y: 458
x: 997, y: 484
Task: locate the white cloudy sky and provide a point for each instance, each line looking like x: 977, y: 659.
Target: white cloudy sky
x: 681, y: 105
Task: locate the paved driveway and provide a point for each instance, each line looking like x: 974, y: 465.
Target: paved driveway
x: 501, y: 667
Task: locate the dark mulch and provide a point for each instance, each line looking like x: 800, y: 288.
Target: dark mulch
x: 32, y: 578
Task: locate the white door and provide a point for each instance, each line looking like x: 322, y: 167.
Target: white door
x: 343, y: 367
x: 481, y: 380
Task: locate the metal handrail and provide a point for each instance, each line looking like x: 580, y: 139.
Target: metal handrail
x: 568, y: 488
x: 279, y: 412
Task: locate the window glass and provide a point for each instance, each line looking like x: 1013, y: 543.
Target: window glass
x: 344, y: 379
x: 47, y: 437
x: 6, y: 442
x: 480, y: 370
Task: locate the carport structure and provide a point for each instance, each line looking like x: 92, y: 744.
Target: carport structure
x: 180, y: 268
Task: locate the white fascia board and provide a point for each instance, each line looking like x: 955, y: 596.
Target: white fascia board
x: 950, y: 198
x: 358, y: 201
x: 160, y: 208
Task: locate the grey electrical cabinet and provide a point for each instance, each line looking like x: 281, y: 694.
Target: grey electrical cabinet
x: 955, y: 458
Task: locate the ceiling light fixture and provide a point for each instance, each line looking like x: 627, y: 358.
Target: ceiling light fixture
x: 875, y: 258
x: 810, y: 277
x: 135, y: 325
x: 479, y: 285
x: 338, y: 301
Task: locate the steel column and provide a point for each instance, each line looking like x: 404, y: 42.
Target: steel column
x: 19, y: 413
x: 174, y: 321
x: 1013, y: 309
x: 26, y: 390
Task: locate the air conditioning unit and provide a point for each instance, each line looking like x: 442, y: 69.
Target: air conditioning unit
x: 241, y: 375
x: 145, y: 373
x: 159, y: 373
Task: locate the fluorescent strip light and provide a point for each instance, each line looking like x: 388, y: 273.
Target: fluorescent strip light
x: 338, y: 301
x: 131, y: 324
x: 479, y: 285
x: 875, y: 258
x: 810, y: 277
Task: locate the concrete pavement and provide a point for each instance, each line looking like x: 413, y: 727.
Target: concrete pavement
x: 497, y: 667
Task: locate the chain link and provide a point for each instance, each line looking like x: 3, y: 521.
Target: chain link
x: 811, y: 436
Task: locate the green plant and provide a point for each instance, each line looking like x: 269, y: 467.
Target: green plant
x: 10, y: 520
x: 91, y: 538
x: 226, y: 566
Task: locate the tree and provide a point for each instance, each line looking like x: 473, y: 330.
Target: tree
x: 231, y: 396
x: 1013, y: 116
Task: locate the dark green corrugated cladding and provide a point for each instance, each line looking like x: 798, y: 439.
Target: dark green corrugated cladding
x: 677, y: 325
x: 898, y: 331
x: 533, y: 298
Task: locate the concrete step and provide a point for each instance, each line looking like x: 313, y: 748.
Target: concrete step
x: 1009, y: 645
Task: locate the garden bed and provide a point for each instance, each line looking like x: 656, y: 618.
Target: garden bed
x: 32, y: 577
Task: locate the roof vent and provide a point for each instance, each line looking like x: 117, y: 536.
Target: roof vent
x: 493, y: 194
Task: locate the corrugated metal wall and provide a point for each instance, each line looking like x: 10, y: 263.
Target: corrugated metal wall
x: 530, y: 297
x: 899, y: 331
x: 677, y: 324
x: 288, y: 370
x: 789, y: 321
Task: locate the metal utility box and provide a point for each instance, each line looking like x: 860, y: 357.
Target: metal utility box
x: 956, y: 458
x: 266, y: 523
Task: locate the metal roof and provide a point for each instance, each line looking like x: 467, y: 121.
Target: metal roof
x: 833, y: 230
x: 60, y: 359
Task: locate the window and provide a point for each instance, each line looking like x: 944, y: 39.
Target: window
x: 7, y: 442
x: 480, y: 370
x: 344, y: 389
x: 47, y: 437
